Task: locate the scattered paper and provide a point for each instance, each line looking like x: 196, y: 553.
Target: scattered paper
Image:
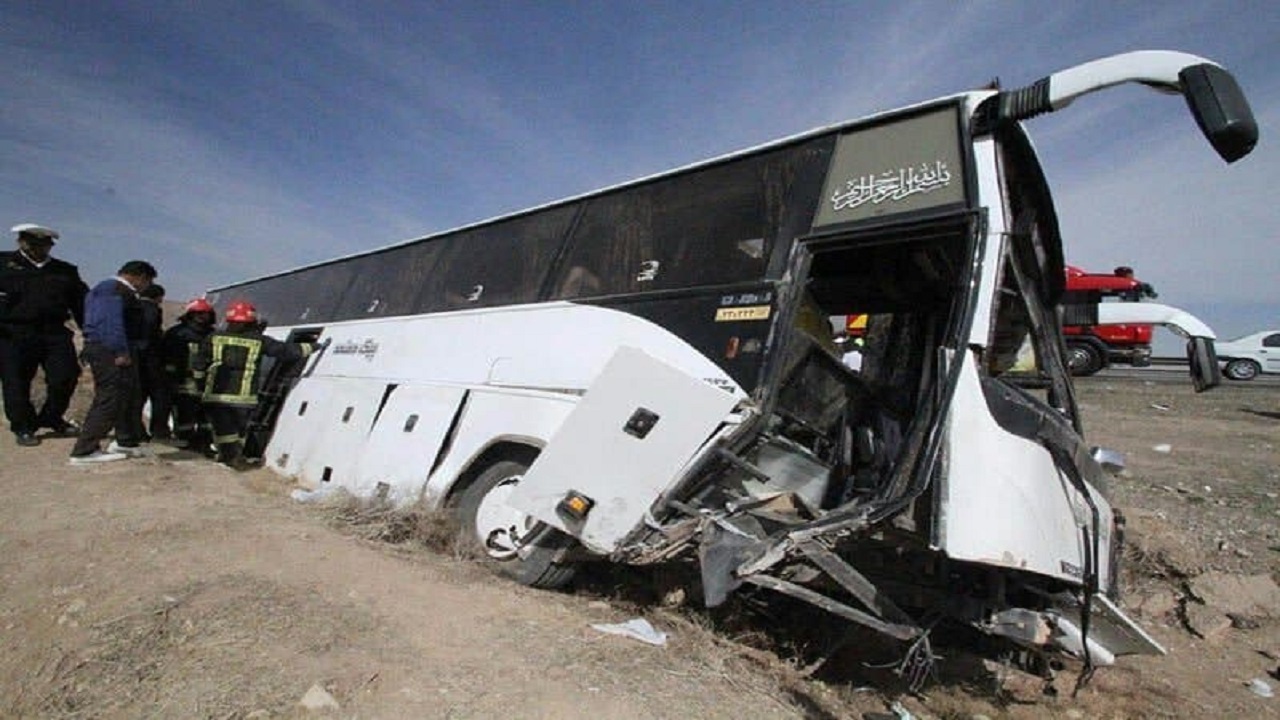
x: 317, y: 698
x: 900, y: 712
x: 1261, y: 688
x: 1158, y: 406
x: 638, y: 628
x: 307, y: 496
x: 1162, y: 448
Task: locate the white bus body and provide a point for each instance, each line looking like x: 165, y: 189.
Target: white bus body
x: 632, y: 375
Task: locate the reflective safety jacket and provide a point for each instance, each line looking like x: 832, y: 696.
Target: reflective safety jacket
x: 227, y: 366
x: 178, y: 348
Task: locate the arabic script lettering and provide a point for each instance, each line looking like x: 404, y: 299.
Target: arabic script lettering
x: 367, y: 349
x: 892, y: 185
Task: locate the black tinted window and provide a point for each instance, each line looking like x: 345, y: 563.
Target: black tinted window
x: 709, y: 227
x: 387, y: 282
x: 501, y: 264
x: 303, y: 296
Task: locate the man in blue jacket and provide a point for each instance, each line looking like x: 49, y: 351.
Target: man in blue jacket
x: 113, y: 326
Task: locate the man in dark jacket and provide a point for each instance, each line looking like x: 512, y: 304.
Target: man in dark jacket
x: 38, y: 294
x: 229, y: 365
x: 179, y: 347
x: 113, y: 328
x: 154, y: 387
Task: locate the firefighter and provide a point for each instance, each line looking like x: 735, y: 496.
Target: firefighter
x: 180, y: 345
x: 228, y: 364
x: 38, y: 294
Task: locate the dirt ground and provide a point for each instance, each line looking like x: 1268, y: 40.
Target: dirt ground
x: 171, y: 588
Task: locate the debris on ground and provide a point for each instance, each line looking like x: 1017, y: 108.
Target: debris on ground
x: 637, y: 628
x: 309, y: 496
x: 1261, y: 688
x: 317, y: 698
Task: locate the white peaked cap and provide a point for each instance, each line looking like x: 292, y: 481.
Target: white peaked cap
x: 32, y: 229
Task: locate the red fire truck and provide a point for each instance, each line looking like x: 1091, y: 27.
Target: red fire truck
x: 1091, y: 345
x: 1105, y: 321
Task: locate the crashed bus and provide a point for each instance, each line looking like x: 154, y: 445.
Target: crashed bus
x: 645, y: 374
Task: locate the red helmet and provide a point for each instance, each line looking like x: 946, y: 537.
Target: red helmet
x: 199, y: 305
x: 241, y: 312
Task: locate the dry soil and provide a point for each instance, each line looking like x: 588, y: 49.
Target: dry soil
x: 171, y: 588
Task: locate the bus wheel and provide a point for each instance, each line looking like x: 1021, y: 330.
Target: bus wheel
x: 515, y: 544
x: 1242, y: 369
x: 1084, y: 359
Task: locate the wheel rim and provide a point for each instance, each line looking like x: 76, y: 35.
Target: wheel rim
x: 1242, y: 370
x: 1078, y: 358
x: 501, y: 528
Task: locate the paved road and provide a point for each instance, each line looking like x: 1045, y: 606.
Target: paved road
x: 1178, y: 374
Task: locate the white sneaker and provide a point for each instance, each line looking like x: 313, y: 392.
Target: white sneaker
x: 97, y: 456
x: 133, y: 451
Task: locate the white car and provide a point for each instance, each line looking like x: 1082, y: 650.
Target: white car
x: 1247, y: 356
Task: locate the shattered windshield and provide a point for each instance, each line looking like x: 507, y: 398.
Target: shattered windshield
x: 1026, y: 341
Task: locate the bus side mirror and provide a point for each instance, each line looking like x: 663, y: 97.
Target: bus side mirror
x: 1203, y: 360
x: 1220, y: 109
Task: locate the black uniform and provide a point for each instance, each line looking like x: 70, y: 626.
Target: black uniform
x: 35, y: 304
x: 180, y: 345
x: 150, y: 370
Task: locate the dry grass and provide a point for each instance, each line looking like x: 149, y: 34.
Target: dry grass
x: 728, y: 644
x: 379, y: 521
x: 796, y: 656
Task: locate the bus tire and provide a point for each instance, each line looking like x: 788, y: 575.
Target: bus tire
x: 1085, y: 358
x: 1242, y: 369
x: 494, y: 529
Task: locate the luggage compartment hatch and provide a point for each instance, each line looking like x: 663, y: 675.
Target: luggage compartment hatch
x: 624, y: 444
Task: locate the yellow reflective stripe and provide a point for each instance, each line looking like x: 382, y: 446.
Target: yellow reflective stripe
x: 228, y: 399
x: 253, y: 348
x: 224, y: 439
x: 250, y: 367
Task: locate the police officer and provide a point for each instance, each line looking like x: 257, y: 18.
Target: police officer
x: 38, y: 294
x: 229, y: 365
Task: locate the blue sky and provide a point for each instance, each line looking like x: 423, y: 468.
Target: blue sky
x: 226, y: 140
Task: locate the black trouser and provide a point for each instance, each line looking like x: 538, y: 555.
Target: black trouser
x: 190, y: 422
x: 156, y: 388
x: 229, y: 423
x: 117, y: 403
x: 22, y: 351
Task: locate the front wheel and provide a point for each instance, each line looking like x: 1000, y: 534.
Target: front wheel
x: 1241, y: 369
x: 1084, y: 359
x: 517, y: 545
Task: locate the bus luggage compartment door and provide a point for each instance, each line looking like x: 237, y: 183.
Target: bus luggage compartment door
x: 637, y: 426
